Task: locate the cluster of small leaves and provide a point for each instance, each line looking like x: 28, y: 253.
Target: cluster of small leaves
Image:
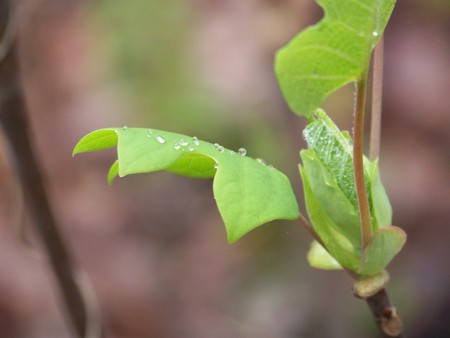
x: 331, y: 204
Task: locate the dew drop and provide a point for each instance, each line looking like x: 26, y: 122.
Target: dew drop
x: 216, y: 165
x: 190, y: 148
x: 196, y: 141
x: 216, y: 145
x: 260, y: 160
x: 220, y: 149
x: 160, y: 139
x: 125, y: 128
x: 177, y: 146
x: 183, y: 142
x: 242, y: 151
x: 149, y: 133
x: 375, y: 33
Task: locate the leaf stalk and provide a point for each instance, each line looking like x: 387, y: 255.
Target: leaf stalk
x: 377, y: 98
x: 358, y: 167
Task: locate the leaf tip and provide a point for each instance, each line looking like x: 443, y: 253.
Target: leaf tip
x: 113, y: 172
x: 97, y: 140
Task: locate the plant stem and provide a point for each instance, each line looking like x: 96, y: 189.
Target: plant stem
x: 358, y: 167
x: 14, y: 123
x: 388, y: 320
x: 386, y: 316
x: 377, y: 98
x: 310, y: 229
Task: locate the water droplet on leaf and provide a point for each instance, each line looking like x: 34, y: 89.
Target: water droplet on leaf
x: 125, y: 128
x: 183, y: 142
x: 149, y: 133
x: 375, y: 33
x: 160, y: 139
x: 242, y: 151
x: 196, y: 141
x: 216, y: 165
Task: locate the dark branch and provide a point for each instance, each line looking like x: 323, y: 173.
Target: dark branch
x: 13, y: 121
x: 385, y: 314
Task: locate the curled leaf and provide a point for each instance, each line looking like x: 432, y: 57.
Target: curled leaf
x: 248, y: 193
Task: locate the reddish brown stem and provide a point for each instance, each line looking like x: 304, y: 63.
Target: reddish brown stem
x: 358, y: 166
x: 385, y: 314
x: 377, y: 99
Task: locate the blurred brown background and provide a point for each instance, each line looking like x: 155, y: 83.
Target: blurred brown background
x: 153, y: 246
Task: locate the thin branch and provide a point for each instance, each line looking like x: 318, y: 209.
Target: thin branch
x: 385, y: 314
x: 304, y: 221
x: 358, y: 167
x: 310, y: 229
x: 14, y: 123
x: 377, y: 99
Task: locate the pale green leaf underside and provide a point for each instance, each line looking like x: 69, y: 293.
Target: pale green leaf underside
x: 319, y: 258
x: 248, y: 193
x: 332, y: 53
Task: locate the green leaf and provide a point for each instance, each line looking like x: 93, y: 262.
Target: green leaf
x: 343, y: 216
x: 319, y: 258
x: 335, y: 150
x: 97, y: 140
x: 113, y: 172
x: 248, y: 193
x: 332, y: 53
x: 385, y: 245
x: 380, y: 207
x: 346, y: 252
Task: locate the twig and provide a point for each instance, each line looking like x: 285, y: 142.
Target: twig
x: 15, y: 127
x: 385, y: 314
x: 377, y: 99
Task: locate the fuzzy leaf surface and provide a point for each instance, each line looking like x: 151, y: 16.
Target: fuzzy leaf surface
x: 248, y: 193
x: 330, y: 196
x: 332, y: 53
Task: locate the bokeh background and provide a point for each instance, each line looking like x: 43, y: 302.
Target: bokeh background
x: 153, y: 246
